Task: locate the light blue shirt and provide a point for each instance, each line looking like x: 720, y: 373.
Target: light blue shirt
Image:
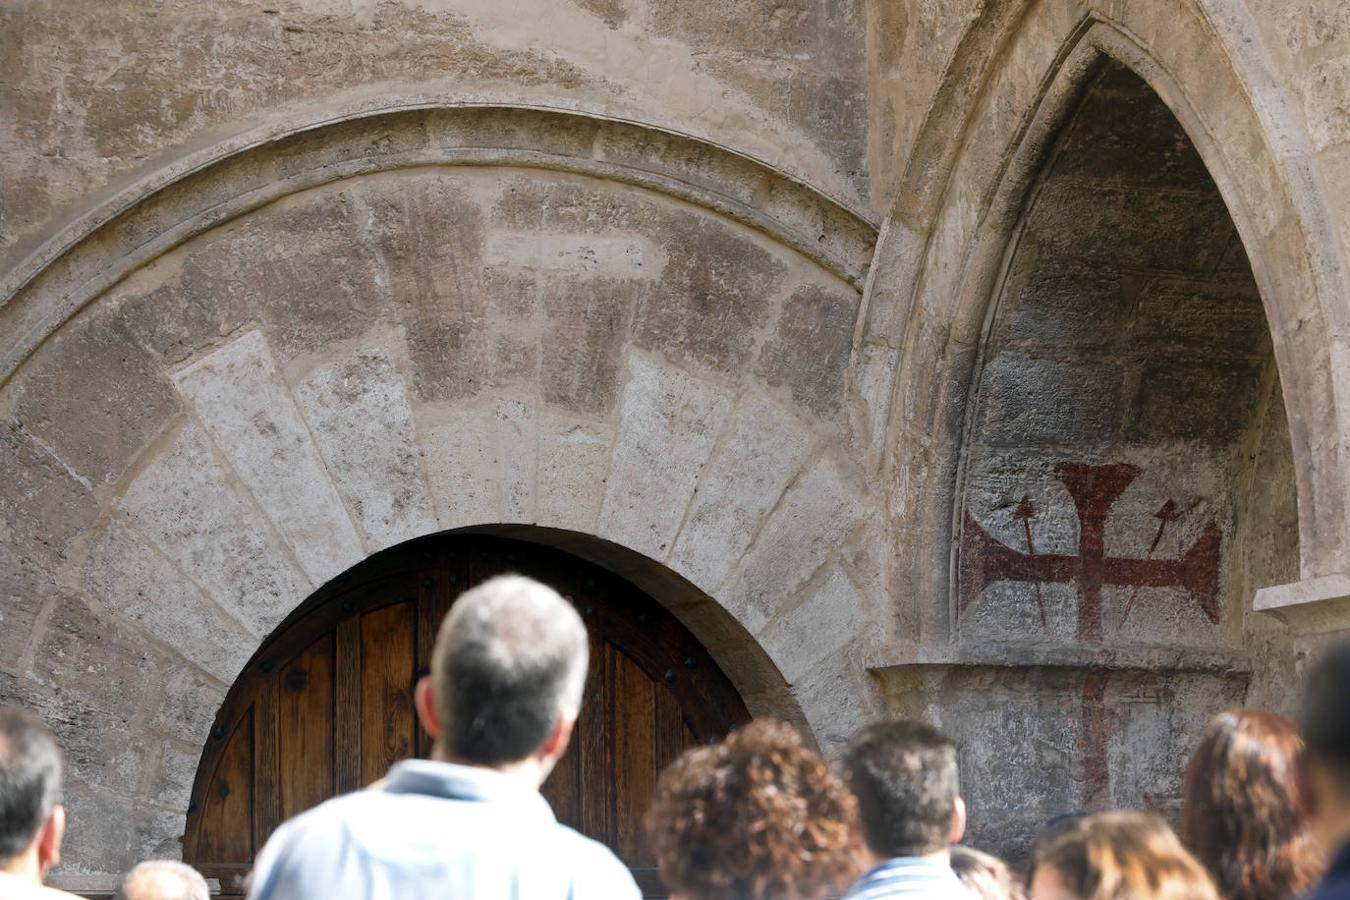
x: 436, y: 830
x: 909, y: 876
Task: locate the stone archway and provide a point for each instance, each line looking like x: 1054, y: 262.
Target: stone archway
x: 232, y: 388
x: 325, y: 706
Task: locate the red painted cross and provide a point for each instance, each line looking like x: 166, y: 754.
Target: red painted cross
x: 1094, y: 489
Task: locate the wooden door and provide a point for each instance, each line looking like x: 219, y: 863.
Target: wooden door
x: 325, y: 706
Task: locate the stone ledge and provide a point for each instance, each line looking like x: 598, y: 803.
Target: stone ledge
x: 1310, y: 607
x: 1158, y: 660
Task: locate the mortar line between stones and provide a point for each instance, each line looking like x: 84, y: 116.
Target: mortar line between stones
x: 289, y: 390
x: 130, y: 525
x: 234, y: 482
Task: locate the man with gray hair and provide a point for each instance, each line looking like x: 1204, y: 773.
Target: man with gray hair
x: 505, y: 688
x: 162, y: 879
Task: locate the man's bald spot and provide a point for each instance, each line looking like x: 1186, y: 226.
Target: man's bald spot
x: 163, y: 880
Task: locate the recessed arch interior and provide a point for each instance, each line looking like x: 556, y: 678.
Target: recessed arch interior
x: 1126, y: 479
x: 1126, y: 329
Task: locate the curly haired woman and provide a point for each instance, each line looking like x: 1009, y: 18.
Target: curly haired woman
x: 758, y: 816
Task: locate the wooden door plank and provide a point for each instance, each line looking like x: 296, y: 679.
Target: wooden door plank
x: 561, y: 788
x: 595, y: 748
x: 635, y: 765
x: 225, y: 828
x: 305, y: 713
x: 387, y: 720
x: 441, y: 574
x: 267, y: 763
x: 347, y: 706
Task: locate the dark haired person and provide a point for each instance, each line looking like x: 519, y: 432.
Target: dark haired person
x: 32, y: 820
x: 905, y: 778
x: 986, y: 877
x: 759, y: 816
x: 503, y: 695
x: 1325, y: 773
x: 1240, y: 808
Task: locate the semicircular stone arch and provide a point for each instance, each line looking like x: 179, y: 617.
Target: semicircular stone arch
x: 254, y: 379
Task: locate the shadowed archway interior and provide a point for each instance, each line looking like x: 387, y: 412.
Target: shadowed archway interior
x: 325, y: 707
x: 1127, y: 476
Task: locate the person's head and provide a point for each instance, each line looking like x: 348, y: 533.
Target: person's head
x: 163, y: 880
x: 909, y: 799
x: 1240, y: 807
x: 32, y: 821
x: 758, y: 816
x: 1325, y: 772
x: 986, y: 877
x: 506, y: 678
x: 1118, y: 856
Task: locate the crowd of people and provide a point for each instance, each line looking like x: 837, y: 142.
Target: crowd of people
x: 760, y: 815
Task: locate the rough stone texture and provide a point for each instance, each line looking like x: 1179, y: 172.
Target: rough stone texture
x: 821, y: 624
x: 358, y: 412
x: 510, y: 315
x: 1116, y: 341
x: 815, y: 515
x: 130, y: 579
x: 79, y: 118
x: 668, y: 424
x: 743, y: 479
x: 1063, y: 740
x: 238, y: 395
x: 185, y: 503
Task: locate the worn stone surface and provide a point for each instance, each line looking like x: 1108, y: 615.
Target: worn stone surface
x: 608, y: 328
x: 668, y: 423
x: 821, y: 624
x: 238, y: 395
x: 816, y: 513
x: 128, y: 578
x: 358, y: 412
x: 185, y: 503
x: 744, y: 478
x: 89, y: 121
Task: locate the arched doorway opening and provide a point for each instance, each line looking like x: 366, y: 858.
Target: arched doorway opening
x: 325, y: 706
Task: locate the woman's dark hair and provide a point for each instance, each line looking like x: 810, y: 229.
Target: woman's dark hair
x: 758, y: 816
x: 1240, y: 814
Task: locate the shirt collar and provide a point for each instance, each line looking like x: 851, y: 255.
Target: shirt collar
x: 912, y: 864
x: 469, y: 783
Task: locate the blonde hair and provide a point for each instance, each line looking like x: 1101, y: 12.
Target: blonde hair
x: 1125, y: 856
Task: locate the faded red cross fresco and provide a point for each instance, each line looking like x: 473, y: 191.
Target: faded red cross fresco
x: 1094, y: 488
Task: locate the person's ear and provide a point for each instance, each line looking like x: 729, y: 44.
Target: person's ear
x: 958, y: 821
x: 49, y: 840
x: 555, y: 745
x: 424, y: 700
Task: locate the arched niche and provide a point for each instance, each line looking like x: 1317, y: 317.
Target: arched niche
x: 1103, y: 380
x: 325, y: 705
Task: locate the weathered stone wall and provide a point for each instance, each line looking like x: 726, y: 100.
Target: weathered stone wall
x: 95, y: 93
x: 282, y: 284
x: 402, y: 352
